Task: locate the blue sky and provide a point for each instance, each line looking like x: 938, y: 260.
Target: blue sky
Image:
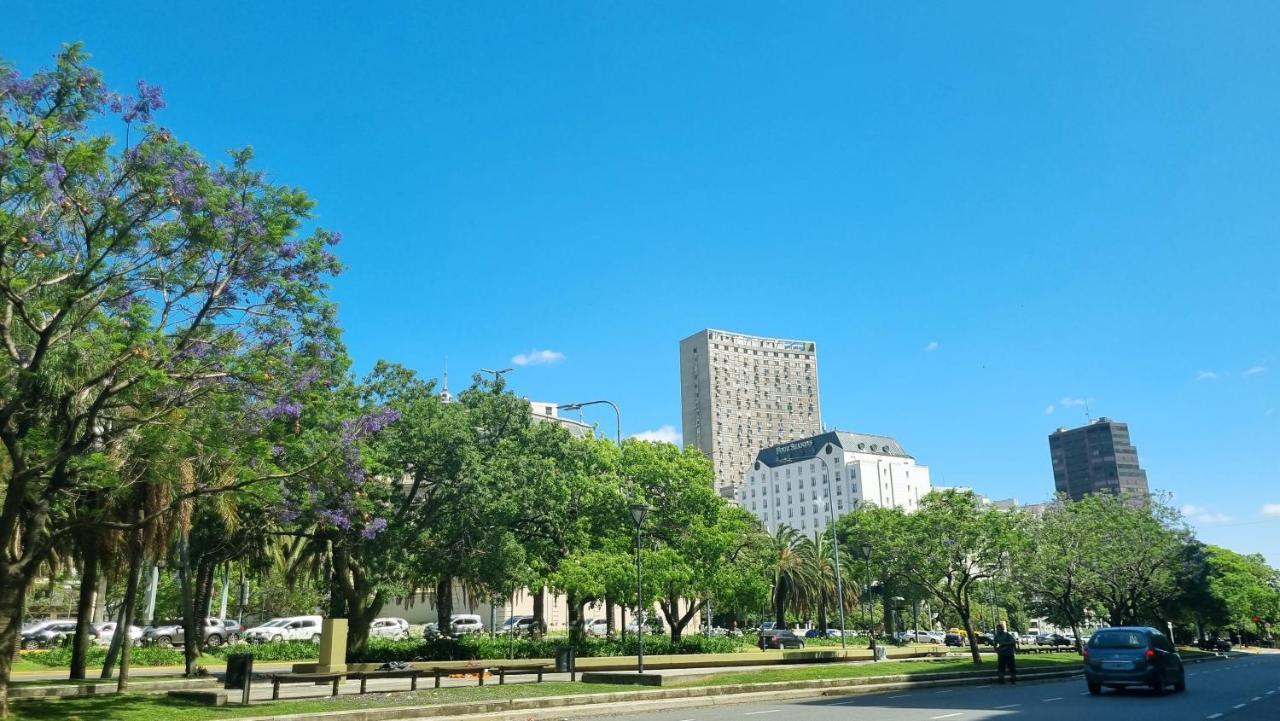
x: 984, y: 213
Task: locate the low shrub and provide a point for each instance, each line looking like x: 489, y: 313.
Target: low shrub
x: 282, y: 651
x: 138, y: 656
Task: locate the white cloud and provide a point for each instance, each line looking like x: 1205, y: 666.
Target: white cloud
x: 1203, y: 516
x: 1255, y: 370
x: 1271, y: 510
x: 1207, y: 376
x: 933, y: 346
x: 1048, y: 409
x: 537, y: 357
x: 662, y: 434
x: 1070, y: 402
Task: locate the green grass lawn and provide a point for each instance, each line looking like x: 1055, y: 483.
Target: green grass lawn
x: 137, y: 707
x: 889, y: 668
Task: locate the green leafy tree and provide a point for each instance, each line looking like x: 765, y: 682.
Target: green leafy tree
x: 1135, y: 570
x: 135, y: 280
x: 1053, y: 558
x: 949, y: 546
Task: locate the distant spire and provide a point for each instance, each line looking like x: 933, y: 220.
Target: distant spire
x: 445, y: 395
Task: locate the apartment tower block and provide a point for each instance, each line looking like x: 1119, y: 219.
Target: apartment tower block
x: 741, y: 393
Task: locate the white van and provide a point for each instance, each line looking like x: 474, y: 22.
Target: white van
x: 287, y: 628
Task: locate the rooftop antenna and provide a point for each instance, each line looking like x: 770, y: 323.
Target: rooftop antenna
x: 1087, y: 415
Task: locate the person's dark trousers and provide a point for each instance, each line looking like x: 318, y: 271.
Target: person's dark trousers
x: 1005, y: 661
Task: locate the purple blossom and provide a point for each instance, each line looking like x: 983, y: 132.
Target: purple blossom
x: 289, y: 250
x: 124, y: 302
x: 311, y: 375
x: 116, y: 103
x: 277, y: 451
x: 284, y: 408
x: 183, y: 186
x: 376, y: 526
x: 35, y: 155
x: 53, y: 176
x: 334, y: 238
x: 287, y: 515
x: 149, y: 100
x: 197, y: 349
x: 378, y: 420
x: 336, y: 517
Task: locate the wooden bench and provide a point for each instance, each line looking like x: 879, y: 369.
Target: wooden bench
x: 410, y: 673
x: 316, y: 678
x: 479, y: 671
x: 516, y: 669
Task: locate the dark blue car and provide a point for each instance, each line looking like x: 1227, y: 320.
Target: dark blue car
x: 1132, y: 656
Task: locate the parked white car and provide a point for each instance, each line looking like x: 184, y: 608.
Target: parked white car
x: 520, y: 625
x: 597, y: 627
x: 287, y: 628
x: 464, y: 623
x: 102, y: 633
x: 389, y: 627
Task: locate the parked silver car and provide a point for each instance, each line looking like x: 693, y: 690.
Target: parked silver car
x: 44, y: 634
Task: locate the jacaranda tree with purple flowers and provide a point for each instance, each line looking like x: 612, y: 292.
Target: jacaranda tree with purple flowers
x: 137, y: 279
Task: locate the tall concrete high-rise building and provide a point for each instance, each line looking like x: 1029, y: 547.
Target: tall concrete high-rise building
x: 1094, y: 458
x: 740, y: 393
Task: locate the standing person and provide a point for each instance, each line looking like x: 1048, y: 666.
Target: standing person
x: 1006, y: 644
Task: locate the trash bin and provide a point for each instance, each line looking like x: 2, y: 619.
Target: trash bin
x: 240, y: 675
x: 566, y: 659
x: 880, y: 653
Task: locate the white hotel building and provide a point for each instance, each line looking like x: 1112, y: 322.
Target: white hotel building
x: 790, y: 484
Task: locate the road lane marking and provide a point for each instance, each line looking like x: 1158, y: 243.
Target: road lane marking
x: 946, y: 715
x: 1240, y: 705
x: 987, y: 686
x: 1055, y: 698
x: 1256, y: 698
x: 945, y: 690
x: 901, y: 695
x: 757, y: 713
x: 1270, y: 692
x: 1216, y: 715
x: 1009, y: 705
x: 1084, y: 693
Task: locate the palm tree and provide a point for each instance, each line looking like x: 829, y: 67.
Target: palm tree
x: 791, y: 572
x: 821, y: 593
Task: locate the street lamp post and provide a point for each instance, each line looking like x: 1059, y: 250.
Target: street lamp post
x: 867, y: 611
x: 638, y: 512
x: 608, y: 602
x: 611, y: 404
x: 497, y: 374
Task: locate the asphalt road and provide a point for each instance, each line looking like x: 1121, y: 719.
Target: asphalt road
x: 1245, y: 688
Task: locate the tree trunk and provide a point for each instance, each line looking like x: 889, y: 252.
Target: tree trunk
x: 608, y: 617
x: 13, y: 596
x: 359, y: 616
x: 780, y: 608
x: 822, y: 619
x: 968, y: 629
x: 190, y: 631
x: 444, y: 606
x: 574, y: 618
x: 85, y: 604
x: 130, y: 601
x: 539, y: 613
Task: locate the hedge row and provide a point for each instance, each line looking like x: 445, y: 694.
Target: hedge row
x: 478, y: 646
x: 162, y: 656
